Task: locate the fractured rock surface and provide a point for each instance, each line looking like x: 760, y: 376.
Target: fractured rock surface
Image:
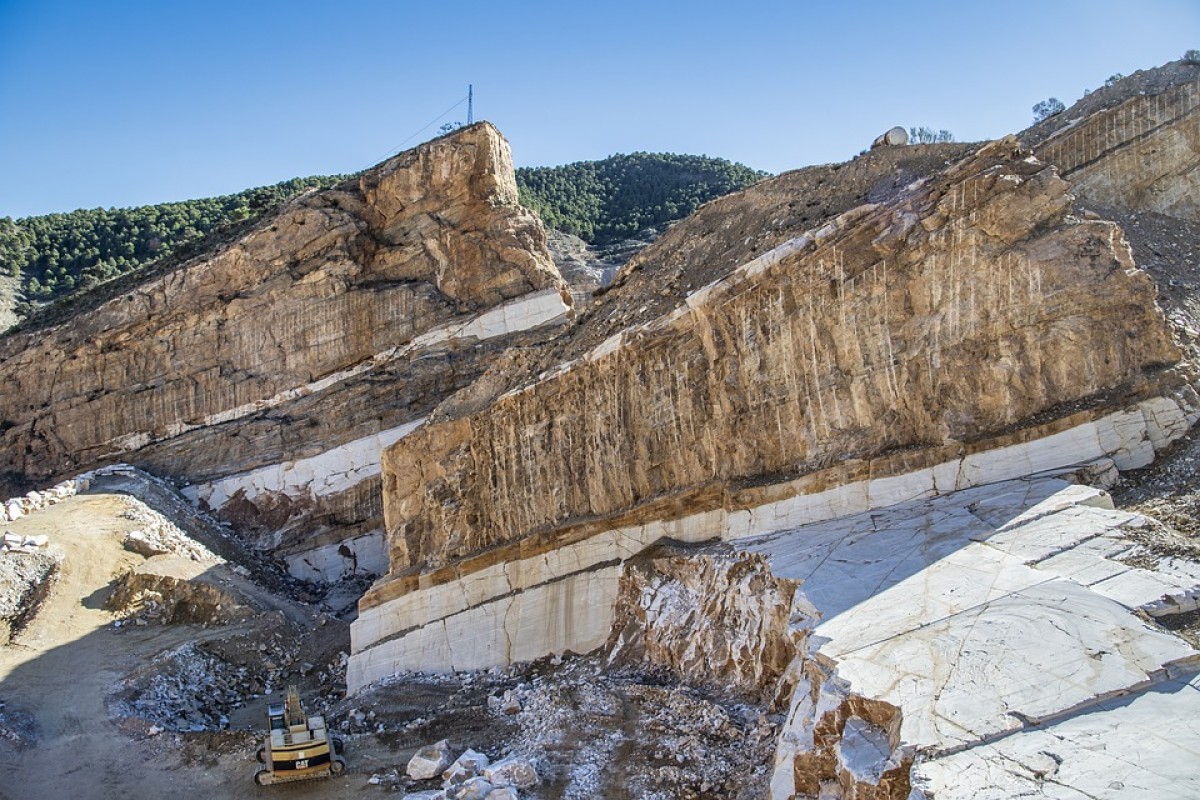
x: 270, y: 372
x: 982, y: 617
x: 918, y: 346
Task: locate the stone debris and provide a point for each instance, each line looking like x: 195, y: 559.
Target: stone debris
x: 26, y: 575
x: 13, y: 543
x: 506, y: 703
x: 386, y: 779
x: 197, y: 686
x: 17, y: 507
x: 18, y: 726
x: 429, y: 762
x: 138, y: 542
x: 583, y: 729
x: 476, y: 788
x: 160, y: 536
x: 172, y: 591
x: 512, y: 771
x: 468, y: 765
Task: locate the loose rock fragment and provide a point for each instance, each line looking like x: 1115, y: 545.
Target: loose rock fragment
x: 429, y: 762
x: 512, y: 771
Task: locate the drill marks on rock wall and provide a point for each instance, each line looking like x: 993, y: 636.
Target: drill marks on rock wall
x: 1083, y: 144
x: 959, y: 311
x: 1142, y: 155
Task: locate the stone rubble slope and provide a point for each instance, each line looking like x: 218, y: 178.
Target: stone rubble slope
x: 25, y: 578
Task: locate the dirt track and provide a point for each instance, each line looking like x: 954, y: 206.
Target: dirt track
x: 63, y: 668
x: 67, y: 729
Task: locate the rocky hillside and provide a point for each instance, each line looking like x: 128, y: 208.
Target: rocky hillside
x: 942, y: 322
x: 268, y: 373
x: 826, y: 482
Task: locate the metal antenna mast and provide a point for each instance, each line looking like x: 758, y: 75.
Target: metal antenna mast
x: 470, y: 103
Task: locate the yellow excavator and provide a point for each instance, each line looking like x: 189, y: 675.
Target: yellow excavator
x: 298, y: 747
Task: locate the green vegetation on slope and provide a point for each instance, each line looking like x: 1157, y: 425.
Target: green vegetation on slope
x: 57, y: 254
x: 605, y: 201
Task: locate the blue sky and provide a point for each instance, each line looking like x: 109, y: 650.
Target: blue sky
x: 122, y: 103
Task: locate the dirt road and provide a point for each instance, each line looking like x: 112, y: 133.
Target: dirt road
x: 63, y: 668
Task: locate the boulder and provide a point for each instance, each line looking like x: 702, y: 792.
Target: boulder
x: 429, y: 762
x: 512, y: 771
x: 503, y: 793
x: 138, y: 542
x: 468, y: 765
x: 471, y: 789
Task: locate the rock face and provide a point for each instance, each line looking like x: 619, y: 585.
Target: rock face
x: 965, y: 631
x: 269, y: 373
x: 1141, y: 153
x: 964, y: 309
x: 723, y: 621
x: 967, y: 330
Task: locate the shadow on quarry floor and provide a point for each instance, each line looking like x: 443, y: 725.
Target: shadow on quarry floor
x: 100, y: 704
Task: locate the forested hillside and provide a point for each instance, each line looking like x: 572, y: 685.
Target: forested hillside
x: 57, y: 255
x: 605, y: 201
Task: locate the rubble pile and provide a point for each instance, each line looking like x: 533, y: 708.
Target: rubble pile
x: 587, y: 732
x: 17, y: 726
x: 12, y: 543
x: 195, y: 687
x: 159, y: 536
x: 16, y: 507
x: 151, y: 596
x: 471, y: 776
x: 189, y: 689
x: 25, y: 579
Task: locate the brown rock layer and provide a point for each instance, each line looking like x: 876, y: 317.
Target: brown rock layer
x: 302, y: 335
x: 968, y: 306
x: 1140, y: 155
x: 714, y: 620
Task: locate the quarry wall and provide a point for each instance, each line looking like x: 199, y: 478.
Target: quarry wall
x: 970, y: 330
x: 268, y: 373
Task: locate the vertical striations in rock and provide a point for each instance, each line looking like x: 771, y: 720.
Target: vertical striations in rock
x: 270, y: 372
x: 965, y: 329
x: 959, y: 312
x: 1140, y: 154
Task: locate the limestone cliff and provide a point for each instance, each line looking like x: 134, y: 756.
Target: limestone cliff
x: 269, y: 373
x: 1134, y: 145
x: 965, y: 329
x: 968, y: 307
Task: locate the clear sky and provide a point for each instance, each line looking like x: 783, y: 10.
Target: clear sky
x: 118, y: 103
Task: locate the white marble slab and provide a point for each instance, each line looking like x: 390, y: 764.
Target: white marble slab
x: 1026, y: 656
x: 985, y: 610
x: 1141, y: 747
x: 335, y: 470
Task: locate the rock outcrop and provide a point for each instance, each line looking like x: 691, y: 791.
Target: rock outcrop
x: 723, y: 621
x: 269, y: 373
x: 967, y: 330
x: 1138, y: 151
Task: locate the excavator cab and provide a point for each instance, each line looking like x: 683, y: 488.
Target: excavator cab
x: 298, y: 747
